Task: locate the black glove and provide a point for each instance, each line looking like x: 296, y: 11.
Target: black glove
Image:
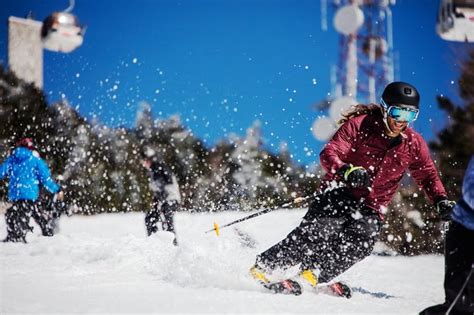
x: 444, y: 207
x: 354, y: 176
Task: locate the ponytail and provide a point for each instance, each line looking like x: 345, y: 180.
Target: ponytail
x: 360, y: 109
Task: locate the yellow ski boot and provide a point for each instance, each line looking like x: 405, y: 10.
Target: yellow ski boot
x: 310, y: 277
x: 287, y: 286
x: 336, y: 288
x: 258, y: 274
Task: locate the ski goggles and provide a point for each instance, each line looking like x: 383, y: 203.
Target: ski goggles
x: 400, y: 113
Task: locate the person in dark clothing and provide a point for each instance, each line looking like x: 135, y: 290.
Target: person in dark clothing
x: 459, y: 255
x: 49, y: 209
x: 364, y: 161
x: 26, y: 171
x: 166, y: 197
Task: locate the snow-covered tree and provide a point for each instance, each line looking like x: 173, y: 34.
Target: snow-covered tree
x: 255, y: 186
x: 100, y: 166
x: 144, y: 121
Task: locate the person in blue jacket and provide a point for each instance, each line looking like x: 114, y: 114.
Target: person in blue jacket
x: 459, y: 254
x: 26, y: 171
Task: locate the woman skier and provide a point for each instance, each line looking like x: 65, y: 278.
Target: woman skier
x: 365, y: 160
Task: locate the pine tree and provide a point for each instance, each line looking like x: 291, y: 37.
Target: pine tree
x: 455, y: 144
x: 23, y: 111
x: 100, y: 166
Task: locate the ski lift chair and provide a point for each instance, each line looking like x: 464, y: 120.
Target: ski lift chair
x: 455, y: 21
x: 61, y: 32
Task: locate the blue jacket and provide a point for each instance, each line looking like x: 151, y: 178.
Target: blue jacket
x: 26, y: 171
x: 463, y: 212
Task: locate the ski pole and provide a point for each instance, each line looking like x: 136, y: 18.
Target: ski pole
x: 460, y: 291
x: 285, y: 205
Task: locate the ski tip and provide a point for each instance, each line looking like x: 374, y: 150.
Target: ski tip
x: 287, y: 286
x: 216, y: 228
x: 341, y: 289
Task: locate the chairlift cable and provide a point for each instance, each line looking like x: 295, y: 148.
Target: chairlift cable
x: 70, y: 7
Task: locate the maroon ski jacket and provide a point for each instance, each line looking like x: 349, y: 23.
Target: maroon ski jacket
x: 362, y: 141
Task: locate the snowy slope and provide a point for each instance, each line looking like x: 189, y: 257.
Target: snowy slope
x: 106, y: 264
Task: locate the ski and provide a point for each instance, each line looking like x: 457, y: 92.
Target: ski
x: 287, y: 286
x: 339, y: 289
x: 292, y: 287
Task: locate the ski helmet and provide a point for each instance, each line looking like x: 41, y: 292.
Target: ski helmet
x: 26, y: 143
x: 401, y: 94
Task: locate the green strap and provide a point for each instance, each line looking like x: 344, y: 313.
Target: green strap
x: 351, y: 169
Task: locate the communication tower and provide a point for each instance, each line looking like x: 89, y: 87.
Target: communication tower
x: 365, y: 62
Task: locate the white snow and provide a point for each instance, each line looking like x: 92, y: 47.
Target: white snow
x: 106, y: 264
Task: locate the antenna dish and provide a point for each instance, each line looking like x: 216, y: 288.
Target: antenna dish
x: 323, y: 128
x: 348, y: 19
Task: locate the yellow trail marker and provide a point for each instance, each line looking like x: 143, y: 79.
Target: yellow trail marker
x: 216, y: 228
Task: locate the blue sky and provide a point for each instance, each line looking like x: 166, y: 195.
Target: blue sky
x: 223, y: 64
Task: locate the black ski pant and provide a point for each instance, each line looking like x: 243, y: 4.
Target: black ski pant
x: 161, y: 217
x: 17, y: 219
x: 458, y: 260
x: 335, y: 233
